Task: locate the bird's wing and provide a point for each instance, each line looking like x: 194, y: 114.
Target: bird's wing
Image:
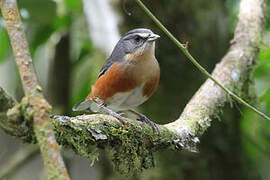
x: 106, y: 67
x: 108, y: 64
x: 88, y: 104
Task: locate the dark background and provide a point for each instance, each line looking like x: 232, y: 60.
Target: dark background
x: 236, y: 146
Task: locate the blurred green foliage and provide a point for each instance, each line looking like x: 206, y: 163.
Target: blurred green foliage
x: 4, y: 44
x: 237, y: 147
x: 256, y: 131
x: 262, y: 76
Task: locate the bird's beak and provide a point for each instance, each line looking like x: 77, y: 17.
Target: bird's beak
x: 153, y: 37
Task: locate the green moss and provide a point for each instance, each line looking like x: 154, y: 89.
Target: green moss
x: 27, y: 122
x: 5, y: 101
x: 19, y: 122
x: 132, y: 151
x: 132, y: 154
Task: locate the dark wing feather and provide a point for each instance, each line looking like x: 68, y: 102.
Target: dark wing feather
x: 106, y: 67
x: 117, y: 55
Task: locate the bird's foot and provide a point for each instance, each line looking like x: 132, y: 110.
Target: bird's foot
x: 123, y: 115
x: 112, y: 113
x: 143, y: 118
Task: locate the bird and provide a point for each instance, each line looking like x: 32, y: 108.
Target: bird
x: 128, y: 78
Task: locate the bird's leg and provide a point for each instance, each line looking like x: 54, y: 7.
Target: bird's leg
x: 145, y: 119
x: 123, y: 114
x: 112, y: 113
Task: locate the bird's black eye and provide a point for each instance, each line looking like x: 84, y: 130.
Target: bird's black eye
x: 137, y: 39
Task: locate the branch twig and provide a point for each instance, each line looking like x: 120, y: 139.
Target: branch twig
x: 39, y: 107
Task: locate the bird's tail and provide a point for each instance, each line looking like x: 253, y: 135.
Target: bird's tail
x: 86, y: 105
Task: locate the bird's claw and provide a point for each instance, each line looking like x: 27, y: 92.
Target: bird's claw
x: 120, y: 118
x: 154, y: 126
x: 112, y: 113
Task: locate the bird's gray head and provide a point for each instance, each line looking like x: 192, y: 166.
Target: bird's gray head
x: 135, y: 42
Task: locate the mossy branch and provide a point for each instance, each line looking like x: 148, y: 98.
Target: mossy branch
x: 132, y: 144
